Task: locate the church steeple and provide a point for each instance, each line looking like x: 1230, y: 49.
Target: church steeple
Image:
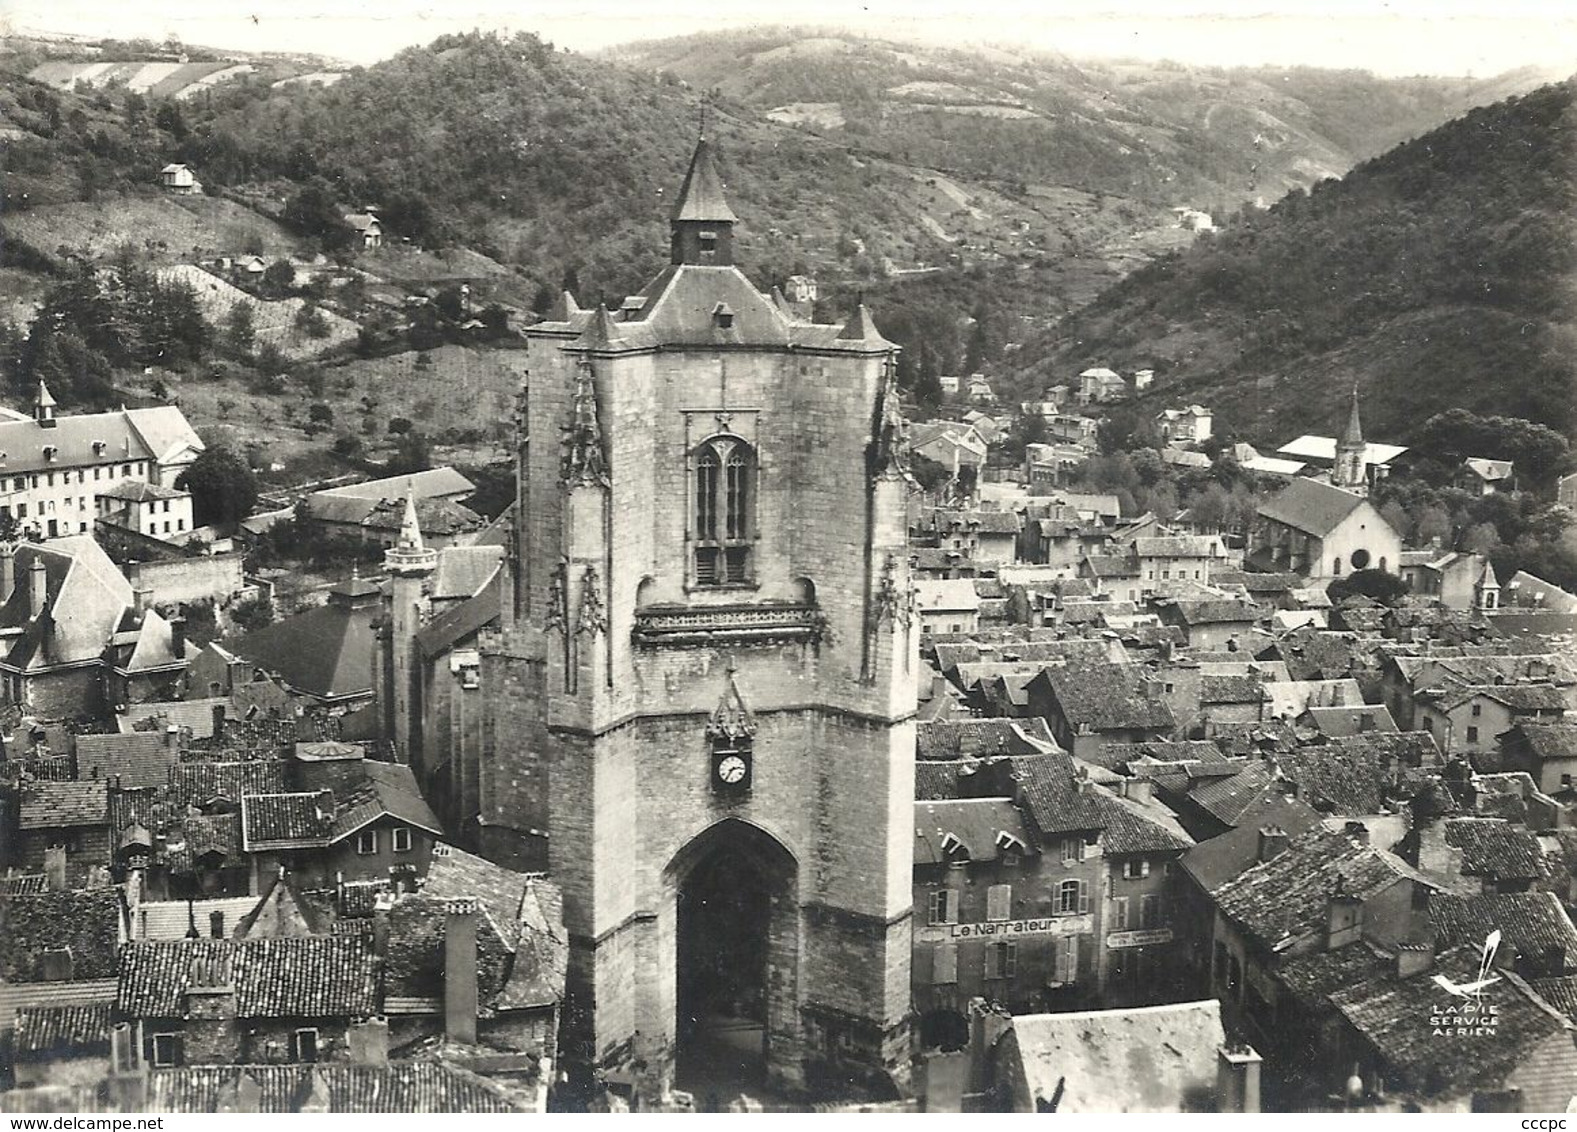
x: 1351, y: 469
x: 702, y: 223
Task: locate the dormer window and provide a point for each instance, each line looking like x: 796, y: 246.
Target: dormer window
x: 723, y: 316
x: 98, y: 447
x: 49, y: 451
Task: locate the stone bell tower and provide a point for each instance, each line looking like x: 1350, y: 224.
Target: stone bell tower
x: 713, y: 602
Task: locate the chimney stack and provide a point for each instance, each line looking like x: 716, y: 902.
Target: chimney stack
x: 55, y: 868
x: 1237, y: 1078
x: 1414, y: 959
x: 141, y: 601
x: 1357, y: 831
x: 7, y: 569
x: 1137, y: 789
x: 1273, y: 841
x: 172, y: 735
x: 37, y: 587
x: 178, y: 637
x: 460, y: 989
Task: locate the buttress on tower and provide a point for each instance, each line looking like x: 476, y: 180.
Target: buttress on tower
x: 711, y: 603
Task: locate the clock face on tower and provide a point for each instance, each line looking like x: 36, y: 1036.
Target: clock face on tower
x: 731, y: 770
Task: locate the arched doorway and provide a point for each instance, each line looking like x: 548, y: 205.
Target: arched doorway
x: 736, y: 957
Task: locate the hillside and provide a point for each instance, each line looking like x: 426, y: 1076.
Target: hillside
x: 1164, y: 133
x: 1438, y: 275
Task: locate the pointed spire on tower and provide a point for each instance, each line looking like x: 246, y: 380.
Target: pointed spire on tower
x: 44, y: 406
x: 564, y: 308
x: 584, y: 464
x: 701, y: 196
x: 410, y: 553
x: 702, y: 223
x: 1354, y: 433
x: 410, y: 526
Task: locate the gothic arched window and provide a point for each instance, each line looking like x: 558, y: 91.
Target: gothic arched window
x: 725, y: 470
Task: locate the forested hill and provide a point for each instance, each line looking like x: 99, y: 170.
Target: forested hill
x: 1163, y: 132
x: 1438, y: 275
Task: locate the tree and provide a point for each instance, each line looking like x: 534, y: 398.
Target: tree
x: 240, y: 330
x: 222, y: 486
x: 1481, y: 538
x: 278, y: 277
x: 253, y: 614
x: 411, y: 454
x: 1379, y: 585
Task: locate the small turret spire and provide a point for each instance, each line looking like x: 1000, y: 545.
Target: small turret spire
x: 44, y: 406
x: 410, y: 554
x: 702, y: 223
x: 410, y: 526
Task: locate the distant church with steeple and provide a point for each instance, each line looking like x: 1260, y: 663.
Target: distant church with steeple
x: 685, y: 682
x: 1350, y: 472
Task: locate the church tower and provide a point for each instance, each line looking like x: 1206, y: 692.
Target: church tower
x: 717, y: 642
x: 1351, y: 469
x: 410, y: 563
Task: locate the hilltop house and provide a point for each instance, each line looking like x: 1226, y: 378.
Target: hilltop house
x: 1190, y: 425
x: 1098, y: 383
x: 1566, y: 491
x: 368, y: 228
x: 177, y: 178
x: 149, y: 509
x: 1485, y: 477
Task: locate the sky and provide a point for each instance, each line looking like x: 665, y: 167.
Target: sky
x: 1389, y: 37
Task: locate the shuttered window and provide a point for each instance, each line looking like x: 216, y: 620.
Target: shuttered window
x: 945, y: 964
x: 1120, y: 913
x: 999, y: 902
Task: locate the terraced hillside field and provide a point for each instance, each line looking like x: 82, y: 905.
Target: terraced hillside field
x: 275, y: 322
x: 157, y: 80
x: 166, y: 229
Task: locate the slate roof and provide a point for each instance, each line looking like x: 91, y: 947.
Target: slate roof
x: 1341, y: 779
x: 62, y: 805
x: 462, y: 620
x: 389, y: 790
x: 1116, y: 756
x: 978, y: 823
x: 1128, y: 830
x: 286, y: 977
x: 430, y: 484
x: 464, y: 570
x: 1218, y: 860
x: 1559, y: 991
x: 62, y: 1031
x: 197, y: 783
x: 196, y: 716
x: 135, y: 759
x: 978, y: 738
x: 1111, y: 566
x: 1311, y: 506
x: 1284, y: 899
x: 136, y: 491
x: 326, y: 651
x: 1050, y: 791
x: 701, y: 194
x: 405, y: 1086
x: 1215, y: 611
x: 1106, y: 697
x: 1232, y: 690
x: 1530, y: 923
x: 88, y: 921
x: 1348, y: 722
x: 1226, y: 799
x: 140, y: 434
x: 1392, y: 1015
x: 1313, y: 978
x: 287, y: 821
x: 87, y: 589
x: 1550, y: 740
x: 1145, y: 1059
x: 1493, y: 847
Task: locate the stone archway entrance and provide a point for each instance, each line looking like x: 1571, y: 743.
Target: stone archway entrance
x: 736, y: 958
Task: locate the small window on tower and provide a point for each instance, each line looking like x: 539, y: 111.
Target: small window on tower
x: 706, y: 240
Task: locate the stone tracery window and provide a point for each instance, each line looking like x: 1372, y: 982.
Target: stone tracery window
x: 725, y: 469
